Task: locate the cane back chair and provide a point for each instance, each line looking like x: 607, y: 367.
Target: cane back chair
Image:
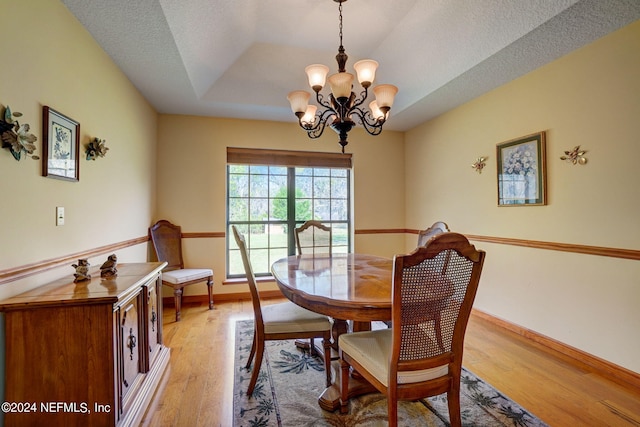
x: 421, y: 355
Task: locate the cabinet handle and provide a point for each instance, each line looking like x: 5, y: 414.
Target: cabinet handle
x: 153, y: 318
x: 132, y: 342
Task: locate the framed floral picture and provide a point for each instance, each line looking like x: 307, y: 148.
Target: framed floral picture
x: 521, y: 171
x: 60, y: 146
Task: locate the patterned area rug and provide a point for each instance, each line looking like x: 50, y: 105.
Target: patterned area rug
x: 291, y: 380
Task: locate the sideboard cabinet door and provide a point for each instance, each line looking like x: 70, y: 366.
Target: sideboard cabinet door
x: 153, y: 304
x: 129, y: 348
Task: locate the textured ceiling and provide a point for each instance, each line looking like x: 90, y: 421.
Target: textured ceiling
x: 240, y: 58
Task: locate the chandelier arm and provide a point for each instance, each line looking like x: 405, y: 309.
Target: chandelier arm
x: 372, y: 125
x: 322, y: 101
x: 358, y: 101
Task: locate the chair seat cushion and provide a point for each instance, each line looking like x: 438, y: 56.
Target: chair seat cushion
x: 288, y: 317
x: 177, y: 277
x: 372, y: 350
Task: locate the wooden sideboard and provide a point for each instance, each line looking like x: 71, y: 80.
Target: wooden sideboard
x: 85, y: 354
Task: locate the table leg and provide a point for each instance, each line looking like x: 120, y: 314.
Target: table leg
x: 339, y: 327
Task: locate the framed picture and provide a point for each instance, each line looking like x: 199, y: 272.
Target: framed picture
x: 60, y: 146
x: 521, y: 171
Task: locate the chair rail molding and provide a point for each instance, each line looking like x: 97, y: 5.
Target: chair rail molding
x: 20, y: 272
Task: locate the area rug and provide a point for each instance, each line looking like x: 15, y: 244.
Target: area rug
x: 291, y: 380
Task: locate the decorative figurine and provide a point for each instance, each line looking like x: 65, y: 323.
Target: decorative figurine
x: 82, y: 270
x: 108, y: 269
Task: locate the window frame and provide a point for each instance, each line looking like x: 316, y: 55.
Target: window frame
x: 289, y: 160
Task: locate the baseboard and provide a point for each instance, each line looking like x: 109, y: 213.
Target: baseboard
x: 600, y: 366
x: 235, y: 296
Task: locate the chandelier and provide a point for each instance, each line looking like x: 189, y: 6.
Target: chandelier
x: 343, y: 105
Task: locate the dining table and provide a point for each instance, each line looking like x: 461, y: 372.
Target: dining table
x: 352, y: 288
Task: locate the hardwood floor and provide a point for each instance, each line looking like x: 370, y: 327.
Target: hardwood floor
x: 198, y: 388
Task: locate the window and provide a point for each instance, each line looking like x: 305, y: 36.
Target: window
x: 267, y: 201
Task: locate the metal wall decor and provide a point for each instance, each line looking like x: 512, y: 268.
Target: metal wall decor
x: 16, y: 137
x: 96, y: 148
x: 479, y: 164
x: 575, y: 156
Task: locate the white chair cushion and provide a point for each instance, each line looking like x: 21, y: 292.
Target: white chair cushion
x: 177, y: 277
x: 372, y: 350
x: 289, y: 317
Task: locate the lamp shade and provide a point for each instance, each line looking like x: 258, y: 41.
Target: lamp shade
x: 309, y: 115
x: 341, y: 84
x: 299, y: 100
x: 366, y: 71
x: 317, y: 74
x: 376, y: 112
x: 385, y: 95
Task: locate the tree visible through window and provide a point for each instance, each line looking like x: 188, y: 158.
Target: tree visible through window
x: 267, y: 202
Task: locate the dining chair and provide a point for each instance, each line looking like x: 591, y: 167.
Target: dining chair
x: 313, y: 237
x: 418, y: 357
x: 280, y: 321
x: 167, y: 242
x: 435, y: 229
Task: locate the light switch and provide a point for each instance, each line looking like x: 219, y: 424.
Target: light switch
x: 59, y: 215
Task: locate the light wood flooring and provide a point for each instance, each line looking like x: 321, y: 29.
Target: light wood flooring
x: 197, y: 390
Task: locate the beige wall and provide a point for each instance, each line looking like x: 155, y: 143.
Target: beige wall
x: 192, y: 181
x: 50, y: 59
x: 589, y: 98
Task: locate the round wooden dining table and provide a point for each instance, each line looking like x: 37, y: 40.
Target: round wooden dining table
x: 346, y: 287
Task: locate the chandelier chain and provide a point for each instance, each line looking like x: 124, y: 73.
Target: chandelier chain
x: 340, y: 13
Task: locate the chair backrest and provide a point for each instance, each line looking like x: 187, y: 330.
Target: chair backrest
x: 433, y: 292
x: 313, y: 237
x: 251, y: 278
x: 436, y: 228
x: 167, y: 241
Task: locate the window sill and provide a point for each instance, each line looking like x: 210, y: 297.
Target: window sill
x: 242, y: 280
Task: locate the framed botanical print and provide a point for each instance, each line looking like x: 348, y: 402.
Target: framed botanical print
x: 60, y: 146
x: 521, y: 171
